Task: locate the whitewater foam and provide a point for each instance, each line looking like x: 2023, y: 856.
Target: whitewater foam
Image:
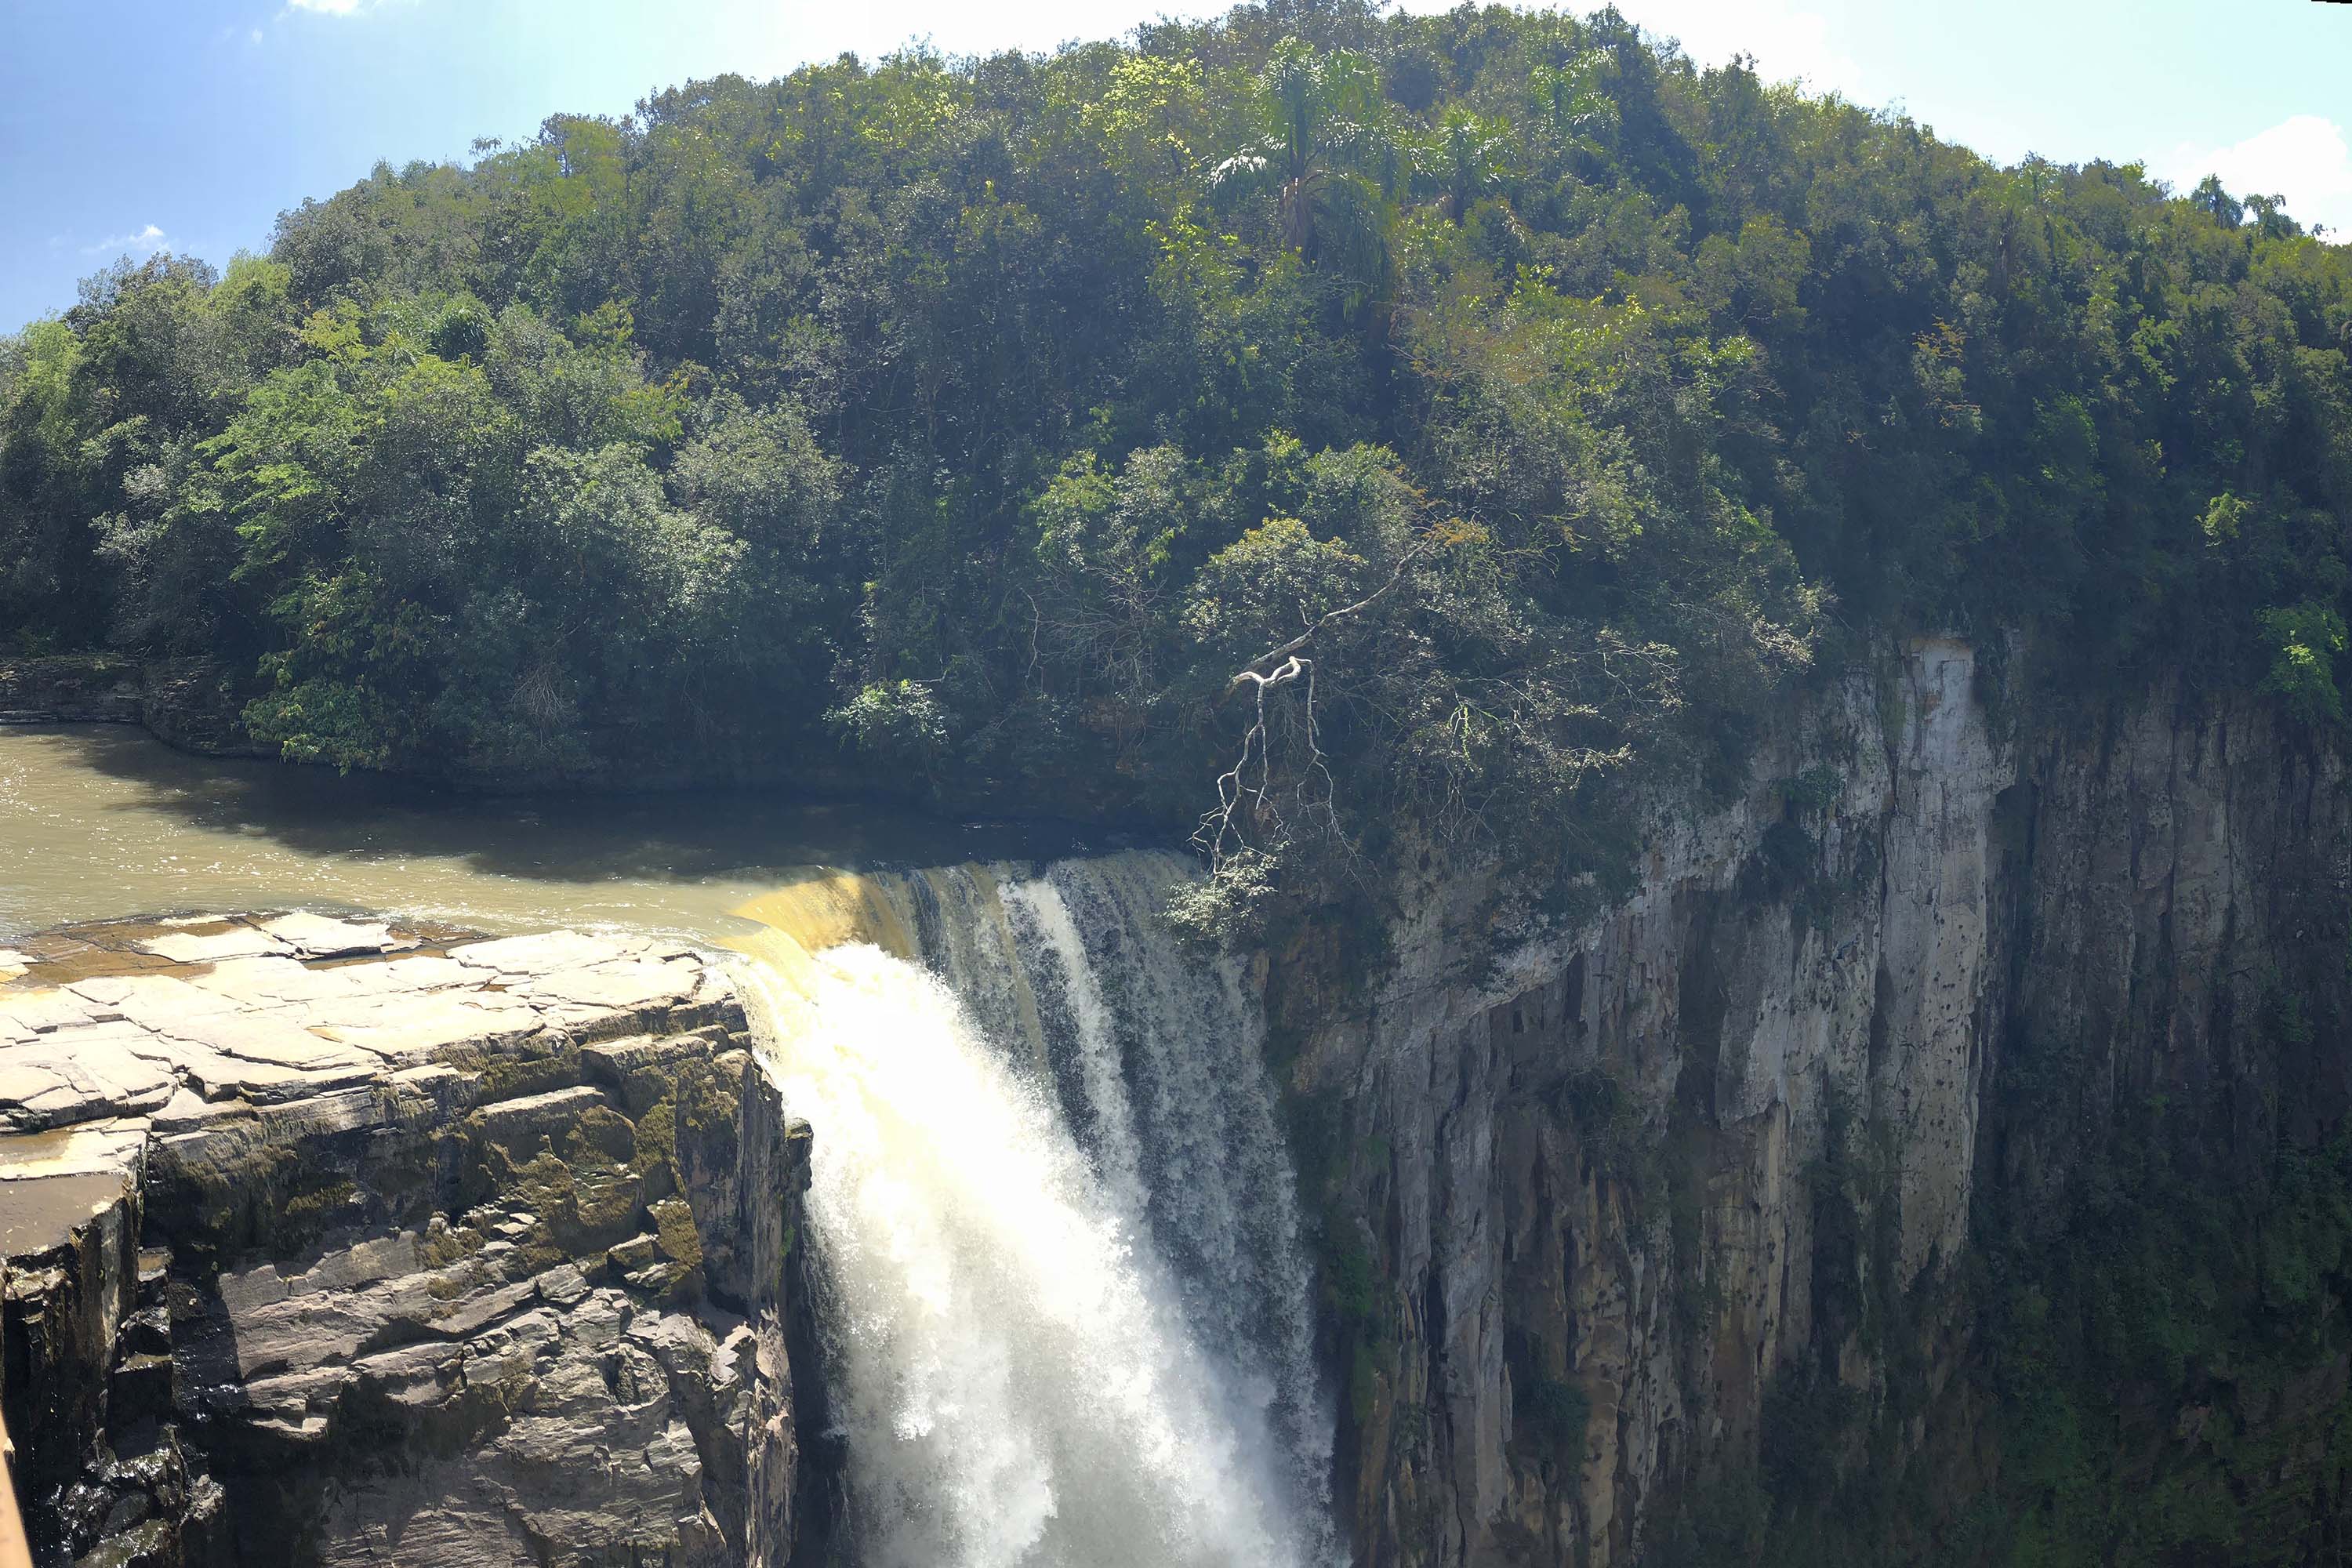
x: 1056, y: 1223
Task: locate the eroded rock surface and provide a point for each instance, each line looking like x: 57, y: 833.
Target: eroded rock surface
x: 1615, y: 1187
x: 190, y: 703
x: 455, y: 1252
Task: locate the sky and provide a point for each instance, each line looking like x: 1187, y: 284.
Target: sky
x: 132, y: 126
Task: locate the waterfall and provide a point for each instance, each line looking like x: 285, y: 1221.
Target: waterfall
x: 1099, y: 1112
x: 1056, y: 1222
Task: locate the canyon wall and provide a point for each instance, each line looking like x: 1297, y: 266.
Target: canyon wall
x: 329, y: 1242
x: 1619, y: 1189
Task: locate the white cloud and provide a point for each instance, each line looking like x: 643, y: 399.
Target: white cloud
x: 2305, y: 159
x: 343, y: 9
x: 145, y: 242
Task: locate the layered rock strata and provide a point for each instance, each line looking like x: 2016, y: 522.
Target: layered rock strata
x: 187, y: 703
x: 329, y: 1242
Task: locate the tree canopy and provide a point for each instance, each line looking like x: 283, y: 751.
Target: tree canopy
x: 1350, y: 425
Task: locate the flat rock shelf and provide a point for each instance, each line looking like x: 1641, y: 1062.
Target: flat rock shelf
x: 348, y: 1242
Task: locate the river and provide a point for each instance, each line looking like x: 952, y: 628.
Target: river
x: 103, y: 822
x: 1064, y: 1292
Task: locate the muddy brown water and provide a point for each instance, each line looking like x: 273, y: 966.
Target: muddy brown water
x: 105, y: 822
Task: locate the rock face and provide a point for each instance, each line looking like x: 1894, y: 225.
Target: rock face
x: 70, y: 691
x: 1616, y: 1187
x: 330, y: 1243
x: 191, y: 704
x: 335, y: 1243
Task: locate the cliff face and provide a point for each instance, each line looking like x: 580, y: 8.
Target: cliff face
x: 1628, y: 1186
x: 330, y: 1243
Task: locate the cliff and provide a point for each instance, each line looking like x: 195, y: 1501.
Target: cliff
x: 334, y: 1243
x: 1939, y: 1156
x: 1741, y: 1197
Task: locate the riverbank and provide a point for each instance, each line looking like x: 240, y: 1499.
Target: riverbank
x: 423, y: 1247
x: 187, y: 703
x: 194, y: 706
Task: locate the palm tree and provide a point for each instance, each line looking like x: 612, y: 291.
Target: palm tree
x: 1568, y: 101
x: 2216, y: 201
x: 1465, y: 161
x: 1328, y: 156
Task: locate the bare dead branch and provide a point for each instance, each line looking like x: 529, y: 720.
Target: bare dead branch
x: 1289, y: 650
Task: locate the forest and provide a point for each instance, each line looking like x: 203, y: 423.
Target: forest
x: 1320, y: 428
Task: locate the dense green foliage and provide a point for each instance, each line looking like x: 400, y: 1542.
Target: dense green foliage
x: 1379, y: 431
x: 985, y: 420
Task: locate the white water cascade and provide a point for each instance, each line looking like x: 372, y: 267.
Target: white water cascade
x: 1055, y: 1222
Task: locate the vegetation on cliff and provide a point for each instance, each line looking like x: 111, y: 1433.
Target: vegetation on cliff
x: 1419, y: 421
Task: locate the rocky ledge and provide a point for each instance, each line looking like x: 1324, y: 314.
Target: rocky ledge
x: 189, y: 703
x: 340, y: 1242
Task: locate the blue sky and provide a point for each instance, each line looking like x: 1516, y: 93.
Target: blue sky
x: 134, y: 125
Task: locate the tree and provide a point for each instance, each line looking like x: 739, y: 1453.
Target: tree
x: 949, y: 398
x: 2217, y: 203
x: 1466, y: 160
x: 2306, y: 640
x: 1568, y: 102
x: 1330, y: 159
